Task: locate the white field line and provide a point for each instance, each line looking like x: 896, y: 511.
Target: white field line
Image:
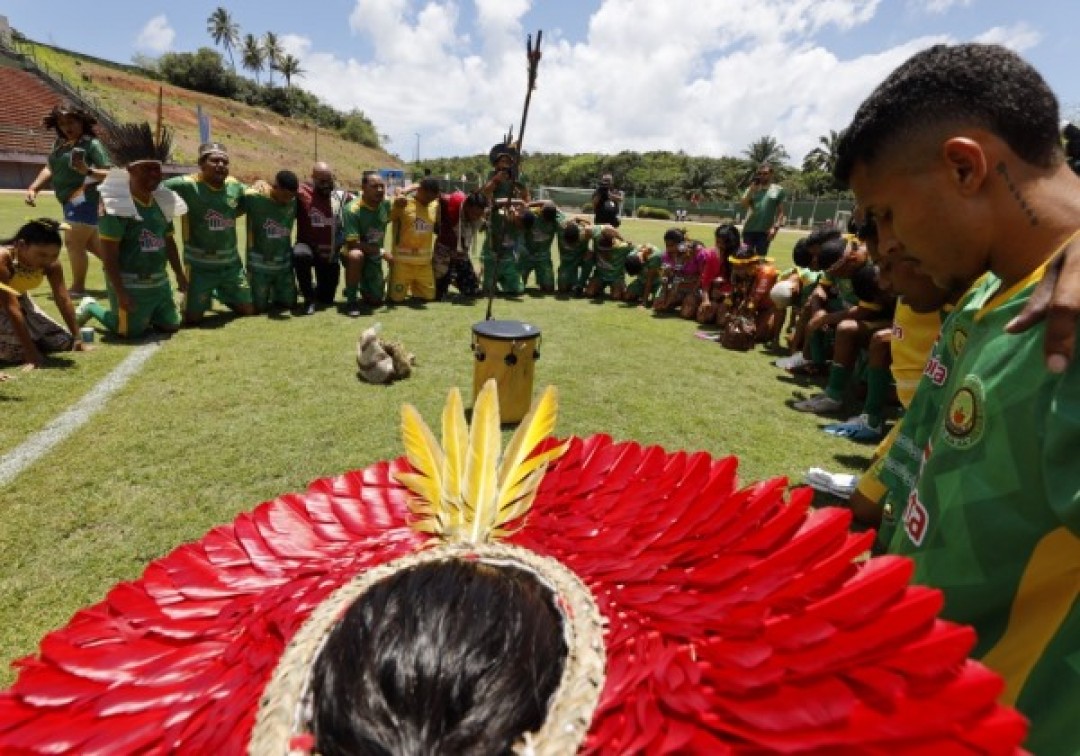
x: 39, y: 444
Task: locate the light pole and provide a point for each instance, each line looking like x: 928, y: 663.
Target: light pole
x: 417, y: 161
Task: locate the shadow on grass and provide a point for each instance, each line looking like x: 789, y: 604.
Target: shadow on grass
x: 861, y: 461
x: 218, y: 319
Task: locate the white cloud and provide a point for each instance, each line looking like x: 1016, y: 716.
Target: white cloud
x: 1018, y: 37
x: 937, y: 7
x: 156, y: 36
x: 706, y: 78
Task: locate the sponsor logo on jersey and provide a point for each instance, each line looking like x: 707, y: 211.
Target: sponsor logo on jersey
x: 150, y: 242
x: 965, y: 415
x: 275, y: 230
x: 936, y: 371
x: 215, y: 221
x: 319, y: 219
x: 916, y: 519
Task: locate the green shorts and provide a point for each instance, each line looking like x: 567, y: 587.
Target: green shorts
x: 545, y: 271
x: 573, y: 273
x: 226, y: 283
x: 372, y: 279
x: 636, y: 288
x: 153, y: 307
x: 504, y: 274
x: 272, y: 287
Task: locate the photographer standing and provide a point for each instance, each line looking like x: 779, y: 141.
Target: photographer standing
x: 765, y: 201
x: 606, y: 201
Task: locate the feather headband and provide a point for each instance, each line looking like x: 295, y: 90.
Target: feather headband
x: 468, y: 496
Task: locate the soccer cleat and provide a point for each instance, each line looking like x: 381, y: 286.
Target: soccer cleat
x: 352, y: 308
x: 82, y: 312
x: 309, y: 307
x: 821, y: 404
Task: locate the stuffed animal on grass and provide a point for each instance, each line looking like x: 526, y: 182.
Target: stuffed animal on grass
x: 380, y: 361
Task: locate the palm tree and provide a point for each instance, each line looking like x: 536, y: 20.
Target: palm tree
x: 224, y: 31
x: 252, y: 55
x: 272, y: 53
x: 763, y: 150
x: 822, y: 158
x: 289, y: 66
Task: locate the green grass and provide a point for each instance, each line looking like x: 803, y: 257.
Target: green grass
x: 231, y: 414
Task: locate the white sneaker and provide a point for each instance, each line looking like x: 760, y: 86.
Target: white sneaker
x: 789, y: 363
x: 82, y: 312
x: 837, y: 484
x: 820, y: 404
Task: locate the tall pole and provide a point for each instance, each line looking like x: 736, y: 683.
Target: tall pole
x: 417, y: 161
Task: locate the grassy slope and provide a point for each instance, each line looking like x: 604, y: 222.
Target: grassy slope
x: 222, y: 418
x: 260, y: 142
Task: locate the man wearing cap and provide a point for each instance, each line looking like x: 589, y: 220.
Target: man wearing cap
x: 215, y: 201
x: 137, y: 238
x: 318, y: 231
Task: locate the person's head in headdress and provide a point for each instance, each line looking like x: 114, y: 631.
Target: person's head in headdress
x: 70, y: 122
x: 502, y: 155
x: 136, y: 147
x: 213, y: 163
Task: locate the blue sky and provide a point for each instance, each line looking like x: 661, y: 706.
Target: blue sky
x: 704, y: 76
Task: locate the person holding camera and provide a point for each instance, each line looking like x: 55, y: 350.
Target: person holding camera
x: 606, y: 201
x: 765, y: 202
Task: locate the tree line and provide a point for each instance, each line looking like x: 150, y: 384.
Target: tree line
x: 205, y: 71
x: 665, y: 174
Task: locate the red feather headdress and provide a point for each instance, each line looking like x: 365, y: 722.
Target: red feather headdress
x: 736, y: 620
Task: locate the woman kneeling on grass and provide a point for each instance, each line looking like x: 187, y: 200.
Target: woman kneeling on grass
x: 26, y: 260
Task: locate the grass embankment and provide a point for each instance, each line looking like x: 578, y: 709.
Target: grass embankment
x: 260, y: 142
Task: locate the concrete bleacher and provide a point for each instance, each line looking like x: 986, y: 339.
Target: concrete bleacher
x: 24, y: 141
x: 27, y: 99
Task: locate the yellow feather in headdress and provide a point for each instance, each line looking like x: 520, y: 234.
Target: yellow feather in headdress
x: 462, y: 492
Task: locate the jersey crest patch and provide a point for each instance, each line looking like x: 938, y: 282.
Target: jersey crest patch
x: 965, y: 417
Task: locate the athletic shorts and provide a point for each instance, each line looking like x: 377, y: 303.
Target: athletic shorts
x: 227, y: 283
x: 272, y: 287
x: 411, y: 279
x: 153, y: 307
x: 544, y: 270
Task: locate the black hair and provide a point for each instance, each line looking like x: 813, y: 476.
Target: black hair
x: 430, y: 184
x: 571, y: 233
x: 728, y: 235
x: 549, y: 212
x: 475, y: 199
x: 980, y: 85
x: 37, y: 231
x: 85, y: 117
x: 634, y: 265
x: 675, y: 235
x: 865, y: 283
x: 528, y: 219
x: 821, y: 235
x: 831, y: 252
x: 287, y: 180
x: 368, y: 174
x: 801, y: 255
x: 447, y: 657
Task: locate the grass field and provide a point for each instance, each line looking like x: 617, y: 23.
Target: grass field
x: 241, y: 410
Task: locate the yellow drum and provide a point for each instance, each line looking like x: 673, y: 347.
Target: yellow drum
x: 506, y: 350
